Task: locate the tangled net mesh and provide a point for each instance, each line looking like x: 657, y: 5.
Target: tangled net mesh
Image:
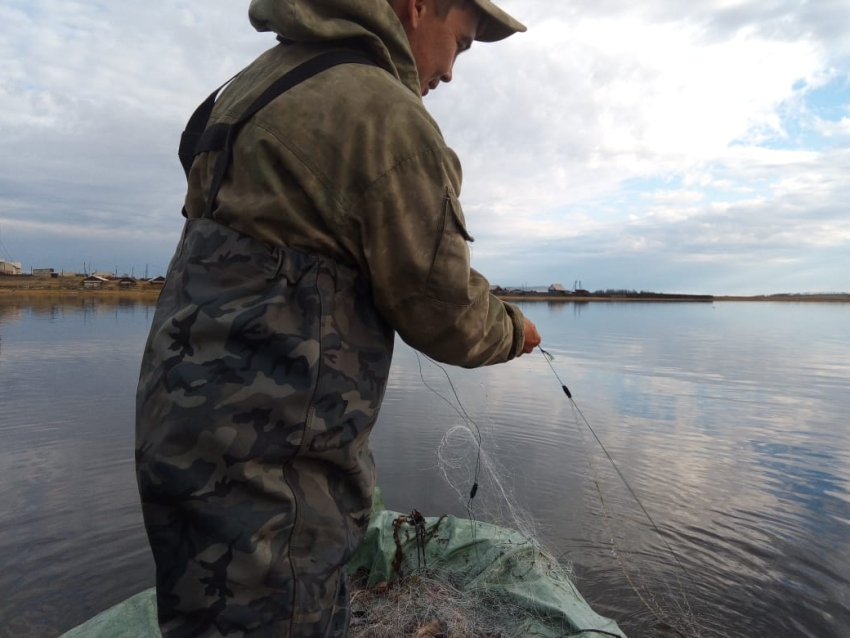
x: 429, y: 602
x: 432, y: 600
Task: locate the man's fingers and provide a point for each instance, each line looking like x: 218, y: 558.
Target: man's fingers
x: 532, y: 337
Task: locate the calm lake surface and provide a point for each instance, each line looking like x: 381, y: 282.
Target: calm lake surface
x: 728, y: 420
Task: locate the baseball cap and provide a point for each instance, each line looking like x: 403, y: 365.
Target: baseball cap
x: 496, y: 24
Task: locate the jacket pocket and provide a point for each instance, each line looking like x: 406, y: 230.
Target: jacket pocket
x: 448, y: 280
x: 453, y: 209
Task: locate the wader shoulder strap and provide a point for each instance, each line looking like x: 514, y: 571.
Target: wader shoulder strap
x: 198, y: 138
x: 195, y: 129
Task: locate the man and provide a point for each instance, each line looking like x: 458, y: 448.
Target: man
x: 333, y: 224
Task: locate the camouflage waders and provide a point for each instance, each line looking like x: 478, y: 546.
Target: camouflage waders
x: 261, y: 380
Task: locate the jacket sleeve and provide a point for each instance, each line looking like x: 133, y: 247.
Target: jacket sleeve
x: 414, y: 240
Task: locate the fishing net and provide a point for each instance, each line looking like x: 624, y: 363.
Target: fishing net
x: 485, y: 575
x: 447, y: 576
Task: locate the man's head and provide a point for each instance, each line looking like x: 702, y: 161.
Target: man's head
x: 440, y: 30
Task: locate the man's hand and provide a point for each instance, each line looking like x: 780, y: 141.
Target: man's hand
x: 532, y: 337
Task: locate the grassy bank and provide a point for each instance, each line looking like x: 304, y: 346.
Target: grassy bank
x: 26, y: 285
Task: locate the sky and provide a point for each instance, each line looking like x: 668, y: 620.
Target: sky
x: 693, y: 147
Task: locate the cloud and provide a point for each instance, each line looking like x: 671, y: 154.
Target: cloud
x: 616, y: 138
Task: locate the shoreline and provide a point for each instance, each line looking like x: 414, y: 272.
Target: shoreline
x: 16, y: 287
x: 675, y: 298
x: 18, y: 292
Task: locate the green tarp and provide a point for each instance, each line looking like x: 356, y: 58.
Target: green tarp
x: 498, y: 563
x: 133, y: 618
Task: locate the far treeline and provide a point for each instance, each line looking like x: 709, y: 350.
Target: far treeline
x: 611, y: 293
x: 646, y: 295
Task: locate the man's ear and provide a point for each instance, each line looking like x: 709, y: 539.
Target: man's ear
x: 412, y: 12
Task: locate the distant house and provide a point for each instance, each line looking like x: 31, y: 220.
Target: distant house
x: 45, y: 273
x: 557, y: 289
x: 103, y: 274
x: 10, y: 268
x: 157, y: 281
x: 93, y: 282
x: 126, y: 282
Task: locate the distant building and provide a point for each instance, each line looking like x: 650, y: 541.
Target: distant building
x: 42, y: 272
x: 93, y: 282
x: 10, y: 268
x: 579, y: 290
x: 127, y: 282
x: 157, y: 281
x: 103, y: 274
x: 557, y: 289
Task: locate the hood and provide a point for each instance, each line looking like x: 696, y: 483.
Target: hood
x: 368, y: 24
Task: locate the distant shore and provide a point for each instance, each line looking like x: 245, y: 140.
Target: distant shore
x: 656, y: 297
x: 61, y: 292
x: 23, y: 285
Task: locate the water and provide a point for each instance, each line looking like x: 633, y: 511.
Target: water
x: 727, y: 420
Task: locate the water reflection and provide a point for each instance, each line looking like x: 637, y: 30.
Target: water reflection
x: 729, y: 422
x: 70, y: 531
